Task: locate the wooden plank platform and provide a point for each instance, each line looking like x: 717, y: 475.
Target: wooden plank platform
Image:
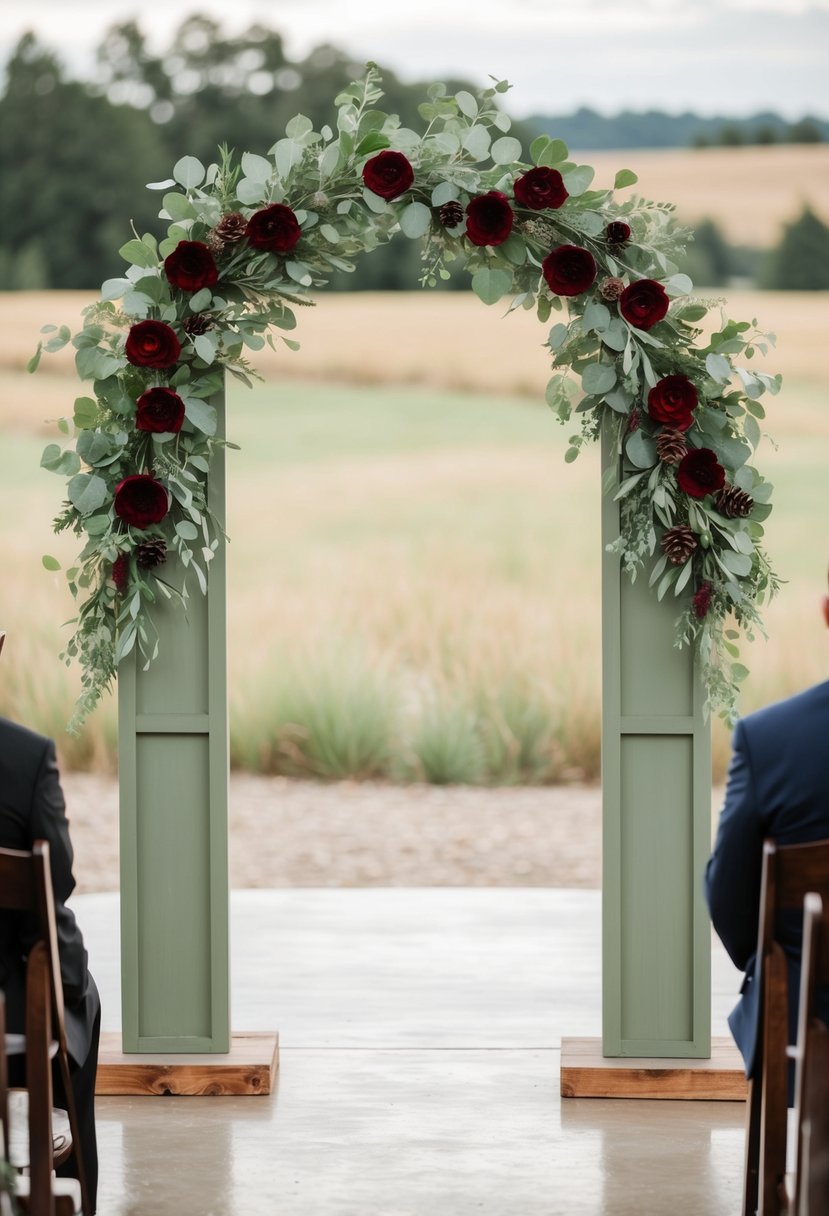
x: 586, y: 1073
x: 248, y: 1069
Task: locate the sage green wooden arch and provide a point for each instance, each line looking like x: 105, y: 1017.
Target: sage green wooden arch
x: 173, y: 748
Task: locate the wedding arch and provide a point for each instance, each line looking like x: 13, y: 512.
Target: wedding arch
x: 635, y: 363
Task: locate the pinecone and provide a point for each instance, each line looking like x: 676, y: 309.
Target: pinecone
x: 199, y: 323
x: 450, y: 214
x: 670, y: 445
x: 611, y: 288
x: 678, y: 543
x: 230, y: 229
x: 151, y: 553
x: 733, y: 502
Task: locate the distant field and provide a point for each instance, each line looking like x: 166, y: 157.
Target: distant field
x: 414, y: 575
x: 749, y: 192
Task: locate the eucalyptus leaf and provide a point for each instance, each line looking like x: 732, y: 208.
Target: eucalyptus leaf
x: 257, y: 168
x: 477, y: 142
x: 506, y: 150
x: 491, y: 285
x: 640, y: 450
x: 189, y: 172
x: 553, y: 154
x: 415, y: 220
x: 202, y: 415
x: 718, y: 368
x: 178, y: 206
x: 578, y: 180
x: 87, y: 492
x: 598, y: 378
x: 467, y: 104
x: 625, y: 177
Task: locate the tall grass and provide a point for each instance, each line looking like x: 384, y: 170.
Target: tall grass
x: 414, y: 585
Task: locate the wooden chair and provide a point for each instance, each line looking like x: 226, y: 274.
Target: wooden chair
x: 789, y: 873
x: 5, y: 1201
x: 811, y: 1178
x: 26, y: 886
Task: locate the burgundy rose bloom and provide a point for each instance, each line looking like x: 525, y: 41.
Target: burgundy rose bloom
x: 274, y: 228
x: 120, y: 572
x: 617, y: 232
x: 701, y: 601
x: 190, y: 266
x: 159, y: 410
x: 569, y: 270
x: 672, y: 402
x: 140, y: 501
x: 540, y: 189
x: 388, y: 174
x: 700, y: 473
x: 489, y: 218
x: 152, y: 344
x: 644, y: 303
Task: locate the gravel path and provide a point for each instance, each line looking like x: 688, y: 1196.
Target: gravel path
x: 350, y: 834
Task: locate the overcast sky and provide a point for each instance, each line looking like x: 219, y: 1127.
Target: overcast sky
x: 712, y: 56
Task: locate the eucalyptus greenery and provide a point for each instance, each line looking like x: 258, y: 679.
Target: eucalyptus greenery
x: 604, y: 366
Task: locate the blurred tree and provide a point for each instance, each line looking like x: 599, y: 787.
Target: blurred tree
x: 806, y: 131
x: 708, y: 258
x: 72, y: 174
x: 801, y: 260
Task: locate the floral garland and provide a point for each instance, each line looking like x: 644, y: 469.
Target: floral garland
x: 249, y: 239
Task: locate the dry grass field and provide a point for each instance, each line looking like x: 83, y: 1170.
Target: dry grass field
x: 413, y: 569
x: 749, y: 192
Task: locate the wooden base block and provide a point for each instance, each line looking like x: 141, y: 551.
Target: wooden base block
x: 249, y: 1068
x: 586, y: 1073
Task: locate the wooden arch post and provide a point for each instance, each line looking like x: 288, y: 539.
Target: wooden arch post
x: 173, y: 761
x: 656, y: 804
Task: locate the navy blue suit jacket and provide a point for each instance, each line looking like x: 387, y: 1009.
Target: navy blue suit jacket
x: 778, y: 788
x: 32, y: 808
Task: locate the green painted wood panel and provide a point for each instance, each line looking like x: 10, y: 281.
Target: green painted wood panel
x: 656, y: 795
x: 173, y: 776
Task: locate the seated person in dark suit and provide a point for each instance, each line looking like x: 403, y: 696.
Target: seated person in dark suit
x: 778, y: 788
x: 32, y: 808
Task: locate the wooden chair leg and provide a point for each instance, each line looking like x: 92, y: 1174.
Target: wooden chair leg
x: 751, y: 1171
x: 63, y: 1063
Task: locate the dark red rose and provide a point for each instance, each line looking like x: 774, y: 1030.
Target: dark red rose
x: 388, y: 174
x: 701, y: 600
x: 540, y: 189
x: 274, y: 228
x: 644, y: 303
x: 152, y: 344
x: 140, y: 501
x: 489, y: 218
x: 120, y: 572
x: 672, y: 402
x: 617, y: 232
x: 569, y: 270
x: 700, y: 473
x: 160, y: 410
x: 190, y: 266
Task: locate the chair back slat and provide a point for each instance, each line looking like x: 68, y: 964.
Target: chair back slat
x: 788, y: 873
x: 811, y: 1190
x: 26, y: 886
x: 39, y: 1080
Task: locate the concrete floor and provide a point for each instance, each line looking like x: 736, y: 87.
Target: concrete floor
x: 420, y: 1034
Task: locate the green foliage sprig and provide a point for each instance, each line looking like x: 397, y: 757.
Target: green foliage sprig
x: 317, y: 185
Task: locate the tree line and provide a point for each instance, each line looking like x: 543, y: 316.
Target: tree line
x: 75, y: 155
